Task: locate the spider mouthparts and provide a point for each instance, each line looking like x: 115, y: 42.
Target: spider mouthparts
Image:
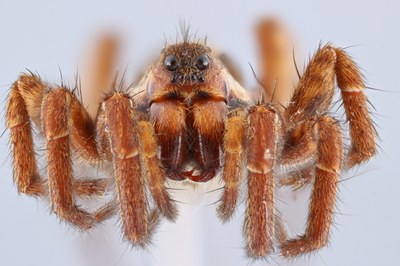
x: 195, y: 175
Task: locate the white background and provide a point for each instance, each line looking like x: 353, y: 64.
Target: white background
x: 42, y: 35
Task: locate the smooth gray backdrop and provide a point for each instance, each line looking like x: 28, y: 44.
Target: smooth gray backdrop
x: 42, y: 35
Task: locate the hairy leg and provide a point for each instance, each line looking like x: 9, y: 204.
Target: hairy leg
x: 276, y: 59
x: 56, y: 113
x: 134, y: 153
x: 362, y: 131
x: 99, y: 70
x: 264, y: 132
x: 327, y: 168
x: 26, y: 175
x: 313, y: 97
x: 311, y: 132
x: 122, y: 135
x: 24, y: 108
x: 233, y: 146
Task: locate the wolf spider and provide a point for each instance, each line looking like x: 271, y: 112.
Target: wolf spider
x: 189, y: 119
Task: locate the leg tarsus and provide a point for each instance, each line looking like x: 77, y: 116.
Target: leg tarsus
x: 298, y: 179
x: 91, y: 187
x: 106, y: 212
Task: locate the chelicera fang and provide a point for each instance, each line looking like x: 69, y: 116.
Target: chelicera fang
x: 188, y: 118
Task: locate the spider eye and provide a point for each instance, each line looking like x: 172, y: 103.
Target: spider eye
x: 171, y: 63
x: 202, y: 62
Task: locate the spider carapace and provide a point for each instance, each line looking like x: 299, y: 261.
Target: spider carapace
x: 188, y: 118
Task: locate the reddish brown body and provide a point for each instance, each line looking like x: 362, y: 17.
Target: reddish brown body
x: 189, y: 119
x: 190, y: 114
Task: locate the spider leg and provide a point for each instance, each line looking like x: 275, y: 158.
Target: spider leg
x: 233, y: 146
x: 134, y: 154
x: 313, y: 96
x: 56, y: 114
x: 327, y: 168
x: 277, y: 68
x: 312, y: 132
x: 26, y: 175
x: 362, y: 131
x: 99, y: 70
x: 23, y: 108
x: 119, y: 120
x: 264, y: 131
x: 299, y: 150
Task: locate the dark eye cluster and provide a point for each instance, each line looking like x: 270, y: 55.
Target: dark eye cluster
x: 172, y: 63
x: 202, y: 62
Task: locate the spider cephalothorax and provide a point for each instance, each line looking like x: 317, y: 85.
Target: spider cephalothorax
x: 189, y: 104
x: 190, y: 119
